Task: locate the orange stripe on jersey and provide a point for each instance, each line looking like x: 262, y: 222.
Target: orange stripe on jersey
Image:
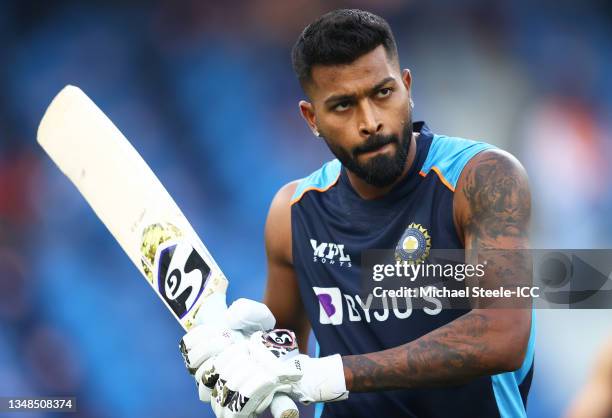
x: 317, y: 189
x: 440, y: 176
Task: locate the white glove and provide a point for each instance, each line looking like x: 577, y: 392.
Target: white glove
x: 246, y: 375
x: 322, y: 379
x: 211, y: 337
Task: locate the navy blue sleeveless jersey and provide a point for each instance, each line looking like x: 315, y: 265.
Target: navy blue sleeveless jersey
x: 331, y: 225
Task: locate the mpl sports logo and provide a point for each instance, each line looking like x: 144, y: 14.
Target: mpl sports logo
x: 333, y: 304
x: 330, y: 253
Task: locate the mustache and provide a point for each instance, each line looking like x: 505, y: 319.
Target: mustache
x: 375, y: 142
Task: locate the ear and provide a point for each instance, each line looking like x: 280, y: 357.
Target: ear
x: 407, y: 79
x: 307, y: 111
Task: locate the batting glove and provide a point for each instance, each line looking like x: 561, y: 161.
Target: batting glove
x: 210, y: 338
x: 246, y: 375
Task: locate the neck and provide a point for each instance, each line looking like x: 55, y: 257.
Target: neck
x: 367, y: 192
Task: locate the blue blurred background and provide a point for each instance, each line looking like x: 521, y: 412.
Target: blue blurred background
x: 206, y: 93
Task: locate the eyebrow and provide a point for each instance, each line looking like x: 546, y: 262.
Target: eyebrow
x: 350, y: 97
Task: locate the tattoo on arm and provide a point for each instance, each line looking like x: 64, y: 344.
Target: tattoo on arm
x: 496, y: 207
x: 432, y: 360
x: 498, y: 203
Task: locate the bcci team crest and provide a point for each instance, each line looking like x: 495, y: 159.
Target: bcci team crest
x: 414, y: 245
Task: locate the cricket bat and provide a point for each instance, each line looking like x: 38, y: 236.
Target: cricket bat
x: 138, y: 211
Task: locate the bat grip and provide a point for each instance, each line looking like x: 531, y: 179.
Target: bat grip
x: 282, y: 406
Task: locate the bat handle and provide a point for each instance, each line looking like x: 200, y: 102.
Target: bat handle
x: 282, y: 406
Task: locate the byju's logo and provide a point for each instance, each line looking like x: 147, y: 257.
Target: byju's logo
x: 330, y: 305
x: 333, y: 304
x: 330, y: 253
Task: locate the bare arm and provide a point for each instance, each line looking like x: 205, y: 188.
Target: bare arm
x: 595, y: 398
x: 492, y: 210
x: 282, y: 293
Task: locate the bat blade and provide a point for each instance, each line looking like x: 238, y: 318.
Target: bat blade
x: 132, y: 203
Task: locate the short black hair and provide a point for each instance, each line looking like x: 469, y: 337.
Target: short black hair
x: 340, y: 37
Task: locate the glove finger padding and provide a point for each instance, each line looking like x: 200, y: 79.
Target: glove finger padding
x: 242, y: 387
x: 227, y: 400
x: 205, y: 381
x: 275, y: 351
x: 249, y: 316
x: 250, y: 387
x: 209, y: 338
x: 204, y: 341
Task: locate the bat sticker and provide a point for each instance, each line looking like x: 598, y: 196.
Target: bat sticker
x: 181, y: 276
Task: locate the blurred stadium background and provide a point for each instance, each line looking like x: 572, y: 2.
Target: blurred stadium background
x: 206, y: 93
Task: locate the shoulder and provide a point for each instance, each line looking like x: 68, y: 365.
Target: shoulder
x: 449, y: 155
x: 292, y: 192
x: 493, y: 167
x: 493, y: 194
x: 320, y: 180
x: 278, y: 224
x: 280, y: 208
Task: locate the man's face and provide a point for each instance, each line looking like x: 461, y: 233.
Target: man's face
x: 362, y: 110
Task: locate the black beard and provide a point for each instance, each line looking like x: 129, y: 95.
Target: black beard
x: 380, y: 170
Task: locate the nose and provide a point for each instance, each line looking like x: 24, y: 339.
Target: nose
x: 368, y: 120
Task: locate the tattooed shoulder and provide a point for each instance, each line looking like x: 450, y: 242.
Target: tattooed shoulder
x: 492, y: 201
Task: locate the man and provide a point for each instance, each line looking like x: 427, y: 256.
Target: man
x: 394, y: 185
